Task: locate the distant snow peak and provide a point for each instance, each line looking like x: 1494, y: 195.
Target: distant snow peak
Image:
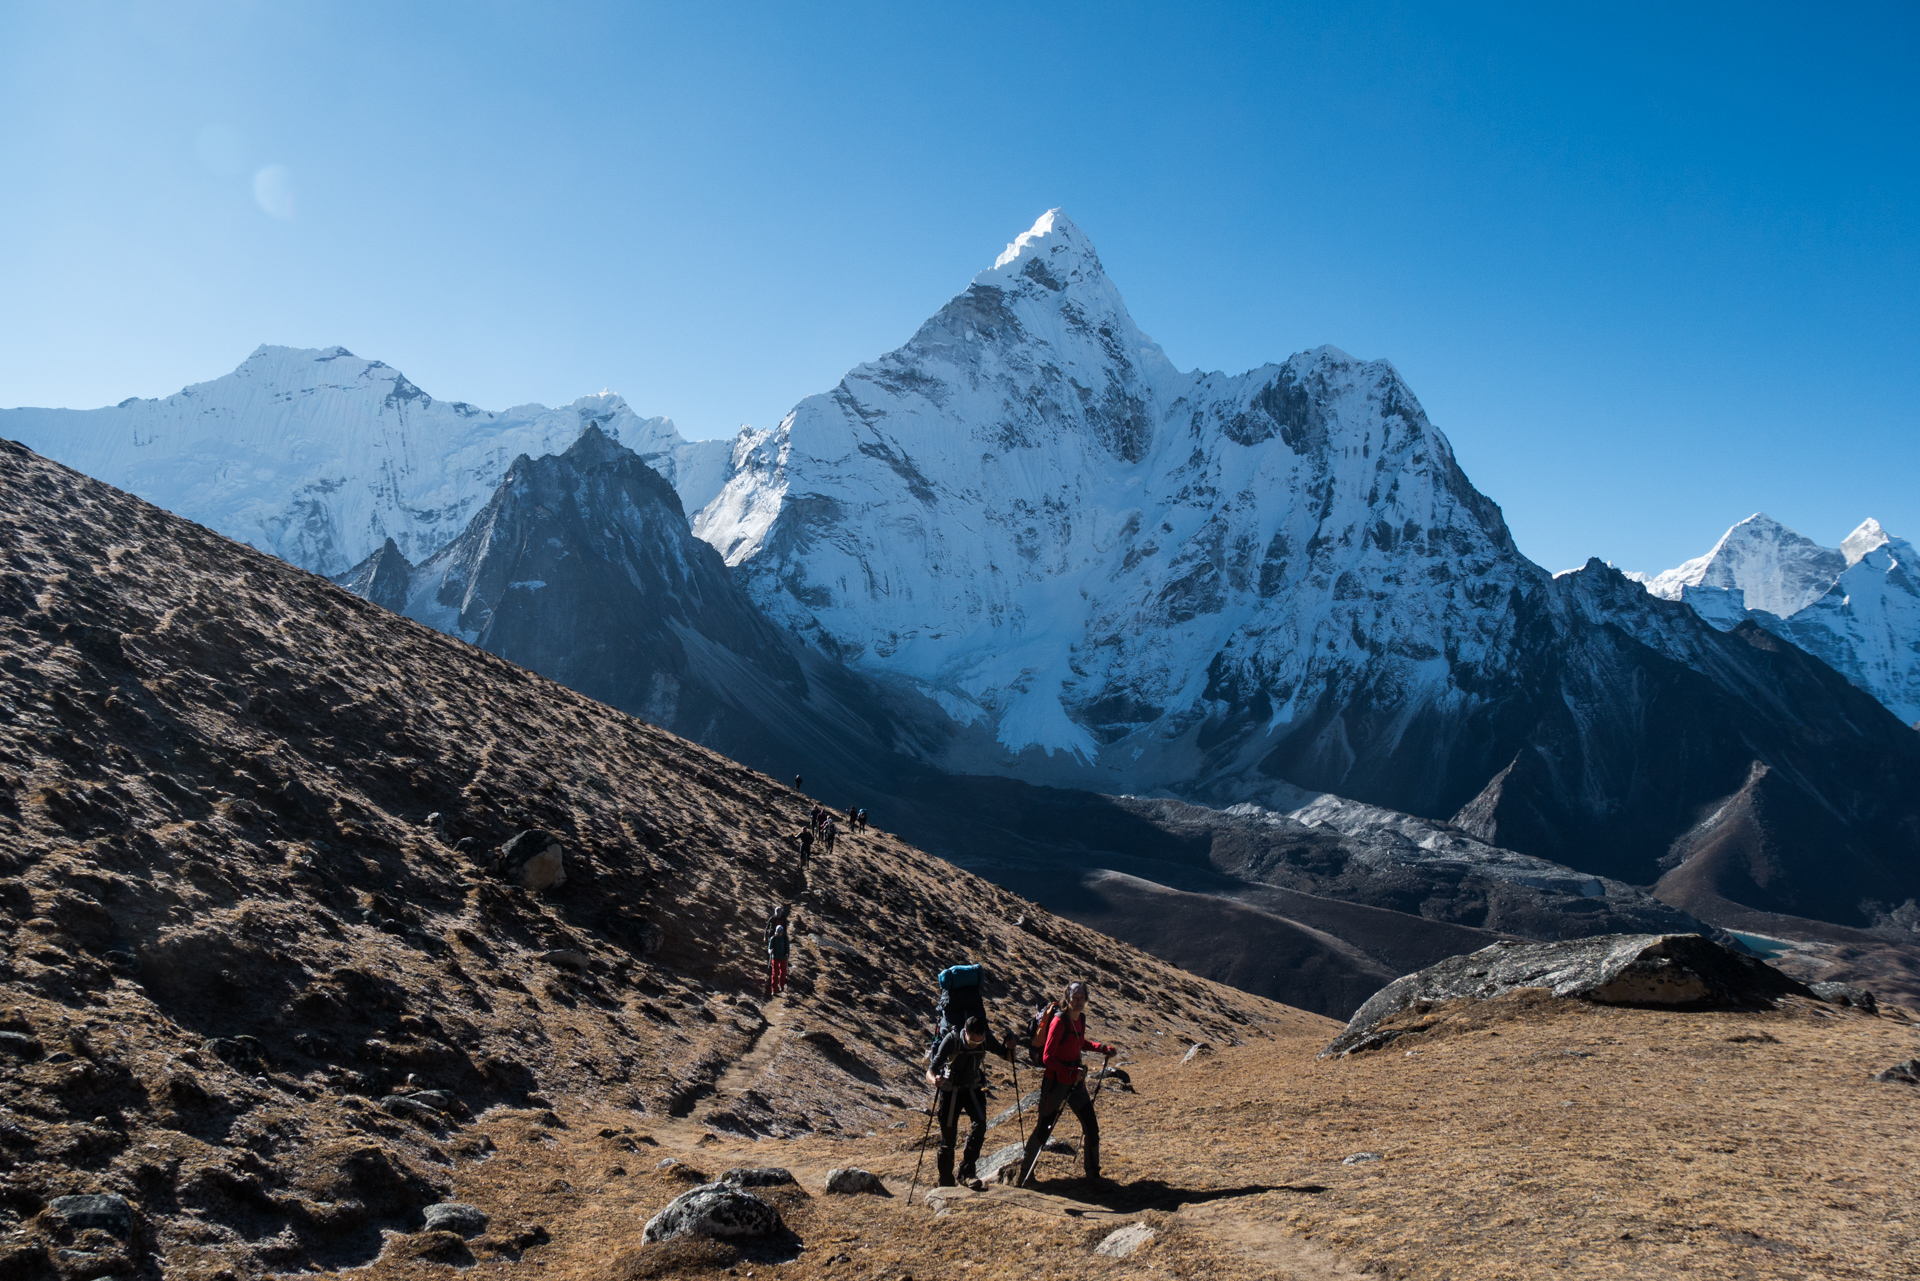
x: 320, y: 457
x: 1863, y: 540
x: 1856, y: 608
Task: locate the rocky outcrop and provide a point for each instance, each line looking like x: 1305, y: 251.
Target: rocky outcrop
x: 1681, y: 970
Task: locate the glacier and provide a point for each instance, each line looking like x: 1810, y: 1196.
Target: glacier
x: 320, y: 457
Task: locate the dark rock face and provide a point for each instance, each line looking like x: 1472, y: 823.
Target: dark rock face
x: 1907, y: 1073
x: 382, y: 578
x: 1683, y: 970
x: 713, y: 1210
x: 768, y: 1176
x: 583, y: 568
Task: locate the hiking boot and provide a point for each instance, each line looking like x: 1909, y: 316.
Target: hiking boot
x: 976, y: 1184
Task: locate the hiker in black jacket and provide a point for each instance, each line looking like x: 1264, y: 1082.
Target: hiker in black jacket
x: 957, y: 1074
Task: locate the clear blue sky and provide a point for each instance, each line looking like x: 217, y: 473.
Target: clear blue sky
x: 1650, y: 268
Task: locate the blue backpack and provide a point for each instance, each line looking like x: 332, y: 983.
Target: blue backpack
x: 962, y: 993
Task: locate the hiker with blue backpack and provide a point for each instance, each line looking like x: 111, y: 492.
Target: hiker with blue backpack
x: 958, y: 1074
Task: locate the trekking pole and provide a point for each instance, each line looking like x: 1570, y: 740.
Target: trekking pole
x: 923, y: 1147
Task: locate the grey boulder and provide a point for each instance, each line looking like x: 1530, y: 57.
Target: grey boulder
x: 105, y: 1211
x: 1612, y: 969
x: 766, y: 1176
x: 1908, y: 1073
x: 1121, y: 1243
x: 1846, y: 994
x: 713, y: 1210
x: 853, y: 1182
x: 453, y: 1216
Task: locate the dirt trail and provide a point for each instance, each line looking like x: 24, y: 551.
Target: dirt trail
x: 735, y: 1081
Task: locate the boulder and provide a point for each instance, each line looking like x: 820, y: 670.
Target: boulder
x: 455, y: 1217
x: 105, y: 1211
x: 1846, y: 994
x: 565, y: 957
x: 713, y: 1210
x: 1121, y: 1243
x: 1907, y: 1073
x: 1675, y: 970
x: 1006, y: 1158
x: 1199, y: 1048
x: 766, y: 1176
x: 854, y: 1182
x: 533, y: 859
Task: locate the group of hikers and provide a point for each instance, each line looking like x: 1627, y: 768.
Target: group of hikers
x: 823, y: 826
x: 1054, y: 1040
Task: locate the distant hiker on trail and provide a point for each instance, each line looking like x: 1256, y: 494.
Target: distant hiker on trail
x: 796, y: 782
x: 778, y: 946
x: 1065, y: 1081
x: 863, y: 820
x: 956, y: 1073
x: 806, y: 847
x: 827, y: 832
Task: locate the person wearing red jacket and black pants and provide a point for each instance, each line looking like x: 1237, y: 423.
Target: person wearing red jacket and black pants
x: 1065, y: 1083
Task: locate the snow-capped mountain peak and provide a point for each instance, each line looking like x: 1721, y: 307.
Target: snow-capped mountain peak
x: 1778, y: 570
x: 320, y: 456
x: 1030, y: 514
x: 1863, y: 540
x: 1856, y: 608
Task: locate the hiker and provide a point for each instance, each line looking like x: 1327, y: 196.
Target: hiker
x: 778, y: 947
x: 863, y: 819
x: 1065, y: 1081
x: 806, y: 847
x: 796, y: 782
x: 956, y: 1073
x: 827, y: 832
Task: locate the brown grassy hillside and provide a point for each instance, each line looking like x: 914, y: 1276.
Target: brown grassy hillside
x: 231, y: 929
x: 250, y: 987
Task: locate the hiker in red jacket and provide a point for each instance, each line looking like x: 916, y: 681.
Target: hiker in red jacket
x: 1065, y: 1083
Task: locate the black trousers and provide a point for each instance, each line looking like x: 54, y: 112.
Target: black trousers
x: 1054, y: 1096
x: 951, y: 1104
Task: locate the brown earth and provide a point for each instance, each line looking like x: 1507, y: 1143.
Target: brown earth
x: 232, y: 934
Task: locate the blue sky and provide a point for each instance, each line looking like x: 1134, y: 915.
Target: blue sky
x: 1650, y: 268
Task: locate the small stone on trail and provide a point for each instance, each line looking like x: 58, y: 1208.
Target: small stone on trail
x: 1360, y: 1158
x: 1908, y: 1073
x: 1122, y: 1242
x: 852, y: 1182
x: 454, y: 1216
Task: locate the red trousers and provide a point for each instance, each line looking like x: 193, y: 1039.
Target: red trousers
x: 776, y: 977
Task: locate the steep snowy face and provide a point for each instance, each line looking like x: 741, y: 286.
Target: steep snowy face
x: 1867, y: 625
x: 1775, y: 569
x: 1856, y: 608
x: 320, y: 457
x: 1027, y: 512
